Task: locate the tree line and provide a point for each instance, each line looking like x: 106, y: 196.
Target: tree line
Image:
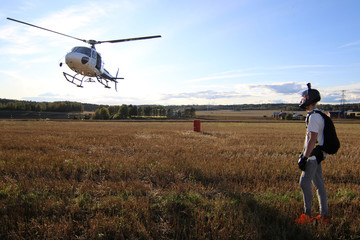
x: 132, y: 111
x: 157, y: 110
x: 64, y: 106
x: 276, y: 106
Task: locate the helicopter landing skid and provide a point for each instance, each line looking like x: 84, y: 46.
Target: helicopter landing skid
x: 103, y: 81
x: 73, y: 79
x: 79, y: 81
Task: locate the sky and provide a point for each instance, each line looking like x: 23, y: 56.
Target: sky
x: 211, y: 51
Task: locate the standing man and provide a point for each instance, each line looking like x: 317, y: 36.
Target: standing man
x: 311, y: 157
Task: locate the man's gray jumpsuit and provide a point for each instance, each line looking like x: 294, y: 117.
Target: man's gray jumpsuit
x: 313, y: 170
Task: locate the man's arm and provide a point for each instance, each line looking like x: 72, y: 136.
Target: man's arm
x: 310, y: 145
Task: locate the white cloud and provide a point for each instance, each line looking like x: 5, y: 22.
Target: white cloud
x: 208, y: 94
x: 350, y: 44
x: 13, y: 74
x: 74, y: 21
x: 282, y: 88
x: 243, y: 75
x: 285, y: 67
x: 334, y: 94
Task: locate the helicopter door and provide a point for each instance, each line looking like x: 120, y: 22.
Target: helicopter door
x: 98, y: 61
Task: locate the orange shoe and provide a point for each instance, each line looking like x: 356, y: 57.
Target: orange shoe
x: 322, y: 219
x: 304, y: 219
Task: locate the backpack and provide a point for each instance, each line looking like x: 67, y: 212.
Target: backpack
x: 331, y: 141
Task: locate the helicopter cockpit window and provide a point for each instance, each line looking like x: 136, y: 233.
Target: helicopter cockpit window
x: 83, y: 50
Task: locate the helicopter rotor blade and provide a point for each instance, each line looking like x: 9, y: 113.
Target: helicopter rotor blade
x: 46, y: 29
x: 129, y: 39
x: 91, y: 42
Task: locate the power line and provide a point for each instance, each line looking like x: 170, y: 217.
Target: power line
x: 343, y: 97
x: 343, y: 102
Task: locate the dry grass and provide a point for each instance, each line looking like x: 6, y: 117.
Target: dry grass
x: 263, y: 115
x: 103, y: 180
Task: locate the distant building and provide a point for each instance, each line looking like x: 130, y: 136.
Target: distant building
x: 297, y: 116
x: 282, y: 115
x: 353, y: 114
x: 336, y: 114
x: 279, y: 115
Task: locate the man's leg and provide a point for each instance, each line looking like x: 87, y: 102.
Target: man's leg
x: 321, y: 190
x: 305, y: 183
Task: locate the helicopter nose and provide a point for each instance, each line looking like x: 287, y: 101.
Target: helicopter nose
x: 71, y: 58
x: 84, y: 60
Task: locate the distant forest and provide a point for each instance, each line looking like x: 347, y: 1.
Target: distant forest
x: 276, y: 106
x: 16, y: 105
x: 67, y: 106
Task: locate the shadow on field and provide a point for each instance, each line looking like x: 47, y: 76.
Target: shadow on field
x: 190, y: 215
x: 267, y: 222
x: 219, y: 210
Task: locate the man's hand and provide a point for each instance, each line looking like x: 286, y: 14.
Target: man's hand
x: 302, y: 162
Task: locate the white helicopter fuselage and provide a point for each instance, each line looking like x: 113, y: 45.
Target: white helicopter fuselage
x: 88, y: 63
x: 85, y: 61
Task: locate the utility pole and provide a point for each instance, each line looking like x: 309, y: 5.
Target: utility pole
x: 343, y: 102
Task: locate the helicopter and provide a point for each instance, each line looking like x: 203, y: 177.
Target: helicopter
x: 86, y: 61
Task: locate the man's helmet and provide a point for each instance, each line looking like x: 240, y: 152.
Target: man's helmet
x: 309, y: 97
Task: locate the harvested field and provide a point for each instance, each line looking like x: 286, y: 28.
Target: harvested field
x: 160, y: 180
x: 263, y: 115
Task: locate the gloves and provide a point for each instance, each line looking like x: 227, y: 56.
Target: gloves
x: 302, y: 162
x: 318, y: 153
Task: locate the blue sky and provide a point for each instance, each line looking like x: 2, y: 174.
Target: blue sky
x: 211, y: 52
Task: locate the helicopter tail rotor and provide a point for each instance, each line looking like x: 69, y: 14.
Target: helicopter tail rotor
x: 116, y: 78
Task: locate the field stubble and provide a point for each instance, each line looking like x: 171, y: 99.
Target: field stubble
x: 103, y: 180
